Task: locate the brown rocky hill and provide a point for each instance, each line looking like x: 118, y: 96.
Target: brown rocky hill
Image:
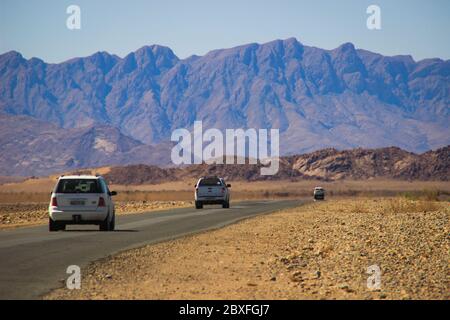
x: 30, y: 147
x: 327, y: 164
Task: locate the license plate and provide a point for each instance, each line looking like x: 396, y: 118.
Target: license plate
x: 77, y: 203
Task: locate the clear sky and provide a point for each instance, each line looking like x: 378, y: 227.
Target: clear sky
x: 38, y: 28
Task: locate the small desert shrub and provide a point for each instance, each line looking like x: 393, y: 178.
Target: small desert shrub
x: 425, y: 195
x: 430, y: 195
x: 402, y: 205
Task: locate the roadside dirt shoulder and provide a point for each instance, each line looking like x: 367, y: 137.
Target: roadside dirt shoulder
x: 318, y: 251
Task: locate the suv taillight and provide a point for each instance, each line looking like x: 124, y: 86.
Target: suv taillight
x: 101, y: 202
x: 54, y: 202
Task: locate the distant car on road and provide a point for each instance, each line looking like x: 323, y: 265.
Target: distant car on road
x: 212, y: 190
x: 81, y: 199
x: 319, y: 193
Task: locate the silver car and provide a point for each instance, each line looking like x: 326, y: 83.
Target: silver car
x: 319, y: 193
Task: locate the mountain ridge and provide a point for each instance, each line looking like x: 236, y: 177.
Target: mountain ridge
x: 409, y: 56
x: 342, y: 98
x: 325, y: 165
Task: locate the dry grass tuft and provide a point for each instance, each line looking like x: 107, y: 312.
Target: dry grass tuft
x: 426, y: 194
x: 401, y: 205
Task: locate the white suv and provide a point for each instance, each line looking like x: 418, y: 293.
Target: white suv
x: 319, y: 193
x: 212, y: 190
x: 81, y: 200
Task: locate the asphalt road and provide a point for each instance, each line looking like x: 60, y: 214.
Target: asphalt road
x: 34, y: 261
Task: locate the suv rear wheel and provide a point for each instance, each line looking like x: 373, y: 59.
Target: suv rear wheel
x: 198, y: 205
x: 112, y: 225
x: 108, y: 225
x: 55, y: 226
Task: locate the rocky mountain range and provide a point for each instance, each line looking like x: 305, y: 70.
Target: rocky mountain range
x: 327, y: 165
x: 104, y: 109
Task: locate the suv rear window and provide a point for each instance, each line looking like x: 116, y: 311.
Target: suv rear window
x: 210, y: 182
x: 78, y: 186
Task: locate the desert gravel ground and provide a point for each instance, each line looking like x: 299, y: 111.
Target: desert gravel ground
x: 318, y: 251
x: 26, y: 214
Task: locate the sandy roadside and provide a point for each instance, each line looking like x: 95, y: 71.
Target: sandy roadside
x: 28, y: 214
x: 319, y: 251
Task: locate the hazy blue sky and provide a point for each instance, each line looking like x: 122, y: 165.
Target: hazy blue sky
x: 38, y: 28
